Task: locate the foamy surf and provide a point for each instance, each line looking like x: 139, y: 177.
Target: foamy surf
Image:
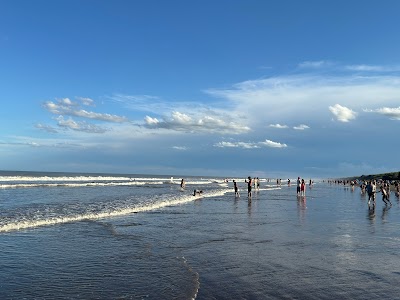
x: 114, y: 212
x: 71, y: 185
x: 9, y: 182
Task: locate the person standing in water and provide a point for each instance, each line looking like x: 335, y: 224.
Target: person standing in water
x: 385, y: 197
x: 236, y: 188
x: 183, y: 183
x: 397, y: 189
x: 303, y: 188
x: 249, y: 183
x: 298, y: 186
x: 371, y: 190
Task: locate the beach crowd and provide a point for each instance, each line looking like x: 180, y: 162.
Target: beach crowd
x: 372, y: 187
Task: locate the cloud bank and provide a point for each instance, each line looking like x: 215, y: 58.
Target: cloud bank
x: 392, y: 113
x: 67, y: 107
x: 244, y: 145
x: 183, y: 122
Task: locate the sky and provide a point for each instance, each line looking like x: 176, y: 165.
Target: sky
x: 230, y: 88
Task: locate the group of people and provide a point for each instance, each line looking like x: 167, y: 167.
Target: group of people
x: 195, y: 192
x: 370, y: 188
x: 255, y: 182
x: 301, y: 186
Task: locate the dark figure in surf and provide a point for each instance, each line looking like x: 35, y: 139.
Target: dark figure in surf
x: 249, y: 183
x: 371, y: 189
x: 298, y: 186
x: 236, y: 188
x: 198, y: 193
x: 385, y: 197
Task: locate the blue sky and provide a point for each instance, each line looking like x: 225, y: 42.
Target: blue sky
x: 221, y: 88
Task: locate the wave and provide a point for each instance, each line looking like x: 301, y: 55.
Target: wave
x: 89, y: 182
x: 36, y: 221
x: 84, y: 184
x: 97, y: 178
x: 65, y: 178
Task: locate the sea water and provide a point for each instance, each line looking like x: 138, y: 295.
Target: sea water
x: 102, y: 236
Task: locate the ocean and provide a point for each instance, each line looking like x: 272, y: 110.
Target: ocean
x: 108, y: 236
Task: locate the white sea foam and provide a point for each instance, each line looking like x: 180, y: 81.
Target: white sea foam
x: 95, y: 178
x: 83, y: 184
x: 82, y: 181
x: 65, y: 178
x: 144, y: 207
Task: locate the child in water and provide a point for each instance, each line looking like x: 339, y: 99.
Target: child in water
x: 196, y: 192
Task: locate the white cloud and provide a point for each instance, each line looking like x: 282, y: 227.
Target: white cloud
x: 392, y: 113
x: 180, y: 118
x: 301, y: 127
x: 47, y: 128
x: 279, y: 126
x: 184, y: 122
x: 79, y: 126
x: 314, y: 64
x: 244, y: 145
x: 298, y: 97
x: 66, y: 107
x: 42, y: 142
x: 151, y: 121
x: 180, y: 148
x: 342, y: 113
x: 86, y: 101
x: 273, y: 144
x: 67, y: 101
x: 372, y: 68
x: 33, y: 144
x: 236, y: 145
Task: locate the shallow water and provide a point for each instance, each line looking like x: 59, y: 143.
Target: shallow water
x: 276, y: 246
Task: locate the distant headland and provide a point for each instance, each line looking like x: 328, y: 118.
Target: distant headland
x: 384, y: 176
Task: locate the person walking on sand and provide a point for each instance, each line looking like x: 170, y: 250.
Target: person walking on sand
x: 236, y: 188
